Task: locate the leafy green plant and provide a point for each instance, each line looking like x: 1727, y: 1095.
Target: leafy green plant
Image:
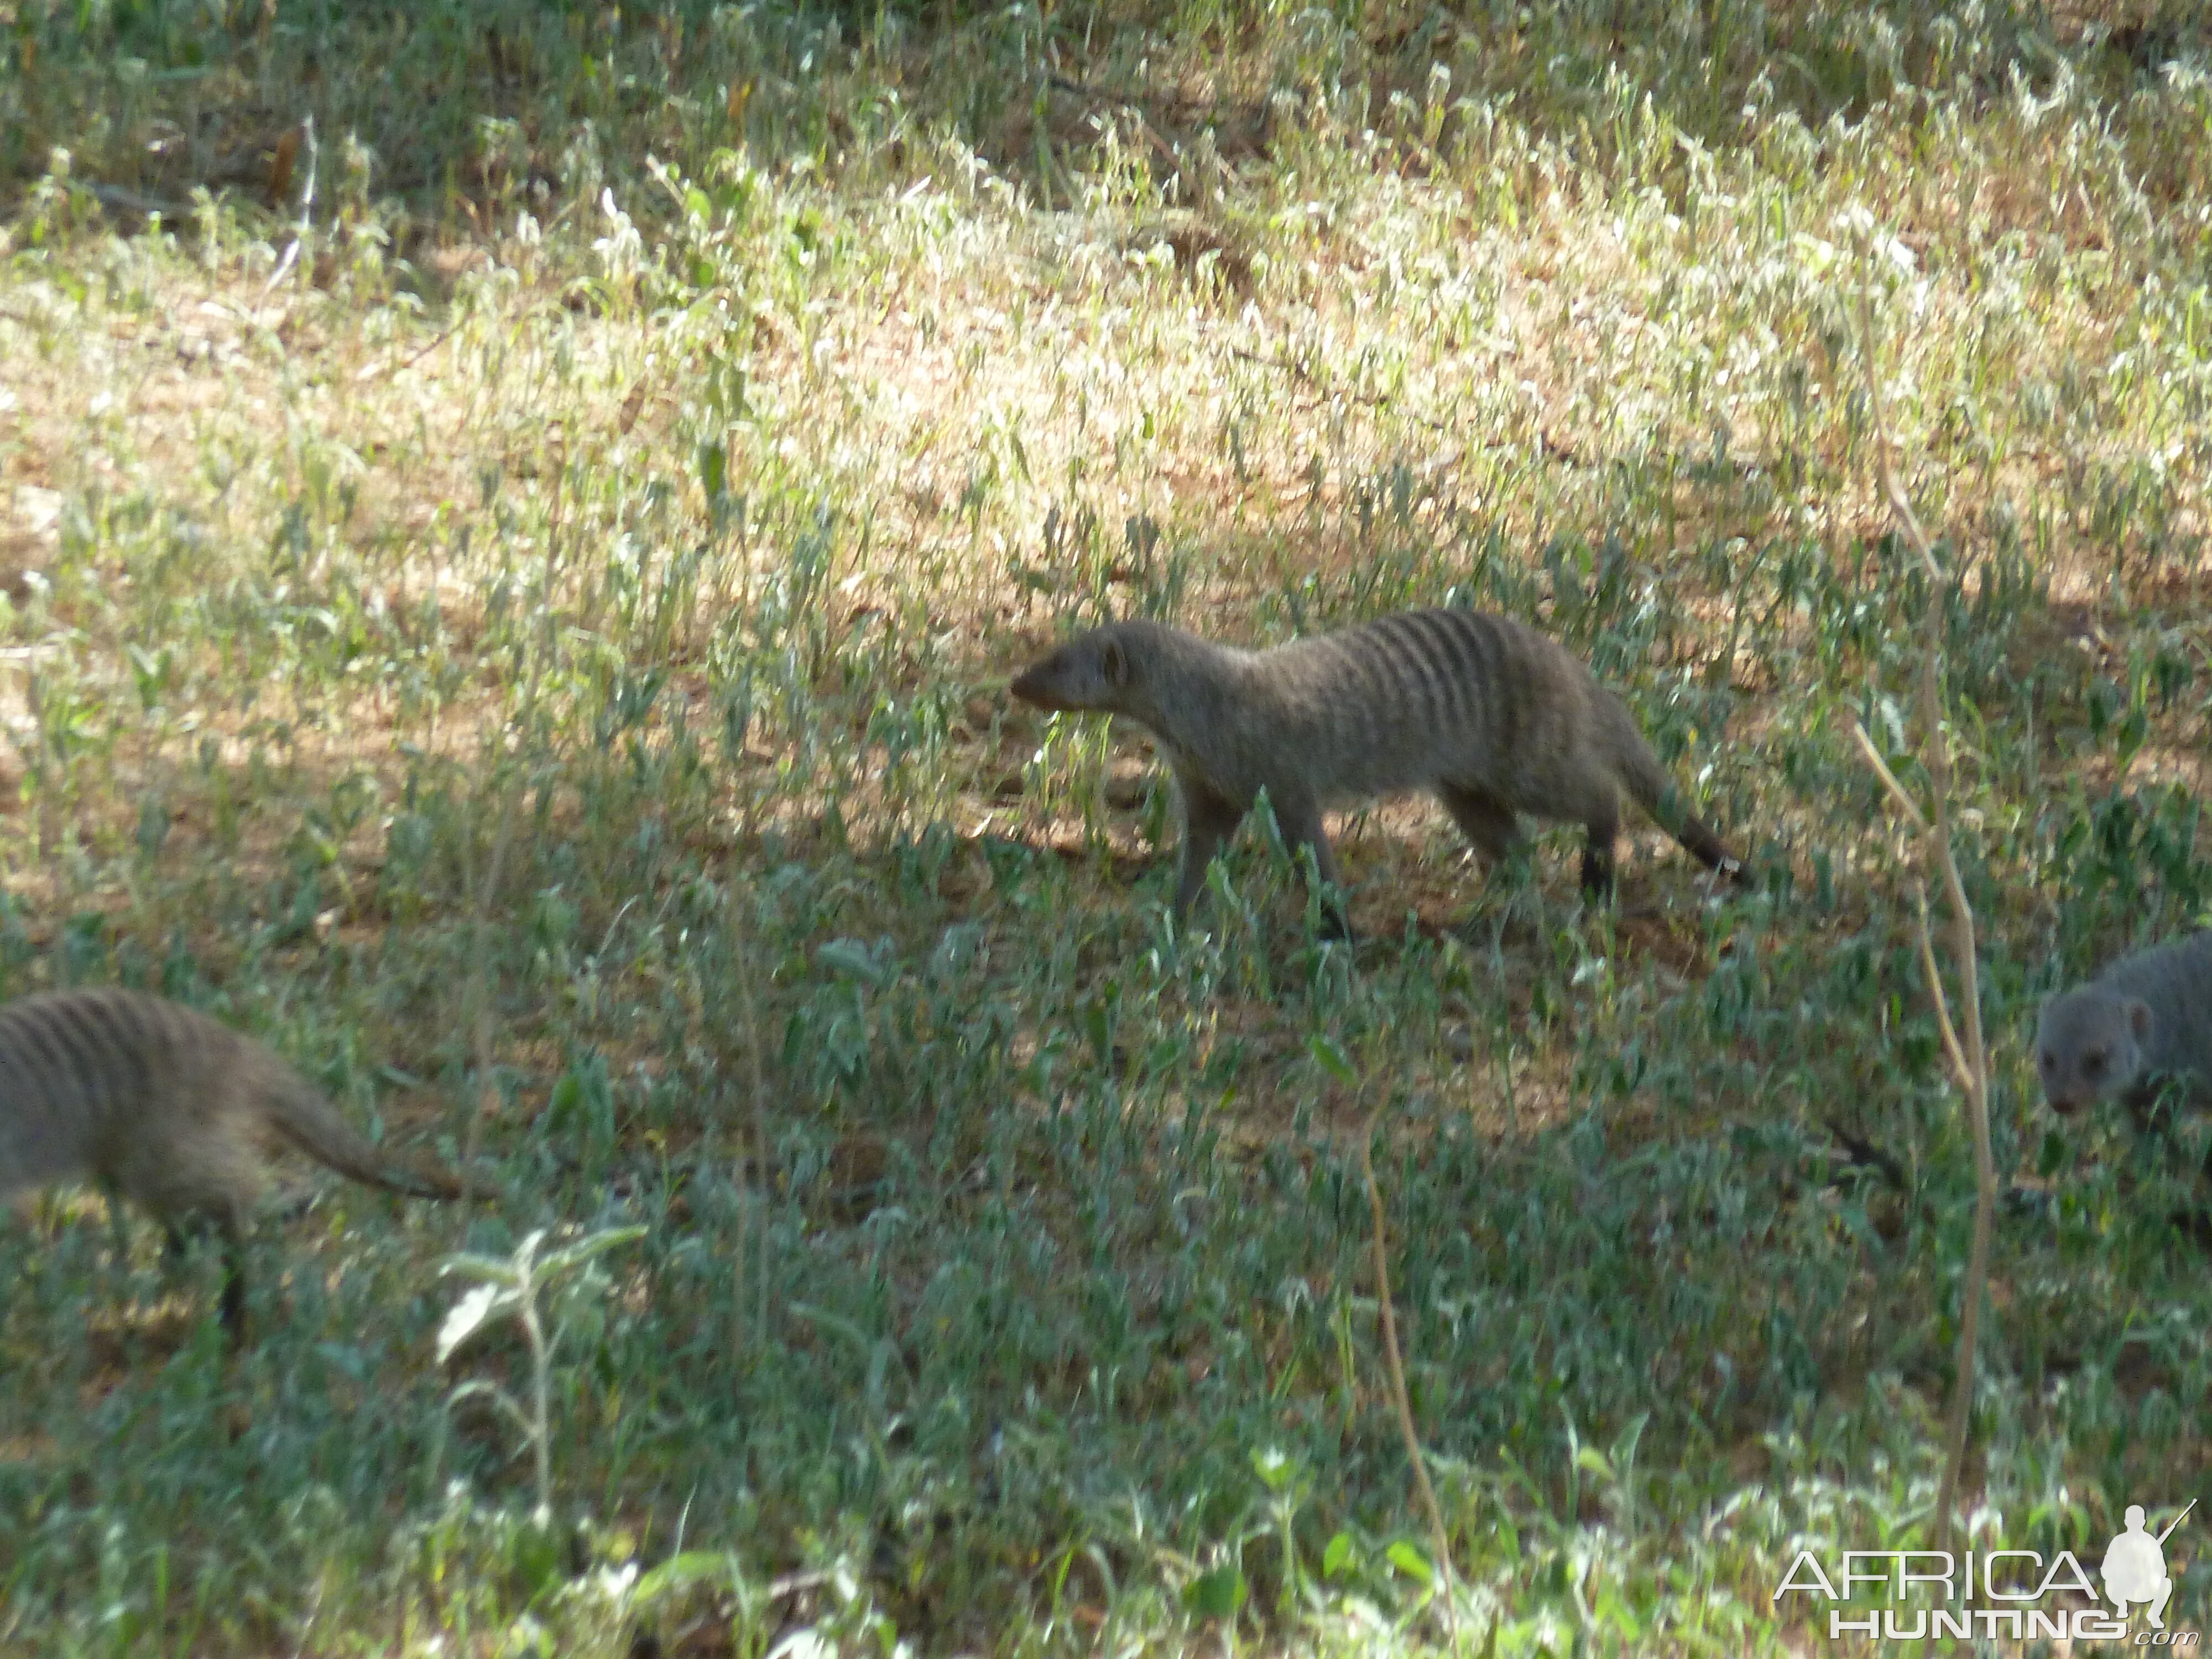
x: 513, y: 1289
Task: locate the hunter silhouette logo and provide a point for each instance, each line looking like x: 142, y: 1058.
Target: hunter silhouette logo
x: 2134, y: 1566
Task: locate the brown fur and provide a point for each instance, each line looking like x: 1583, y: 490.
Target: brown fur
x: 162, y: 1104
x: 1493, y: 717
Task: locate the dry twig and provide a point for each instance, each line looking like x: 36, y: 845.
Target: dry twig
x: 1401, y: 1401
x: 1967, y: 1055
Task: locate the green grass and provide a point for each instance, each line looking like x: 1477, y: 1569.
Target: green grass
x: 673, y: 427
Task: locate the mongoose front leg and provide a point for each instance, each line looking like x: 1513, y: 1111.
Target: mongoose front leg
x: 1209, y: 819
x: 1300, y: 822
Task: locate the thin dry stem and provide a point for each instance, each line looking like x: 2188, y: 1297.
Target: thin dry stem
x: 483, y: 1045
x: 1401, y: 1401
x: 748, y: 1248
x: 1905, y: 802
x: 1969, y: 1057
x: 1951, y: 1047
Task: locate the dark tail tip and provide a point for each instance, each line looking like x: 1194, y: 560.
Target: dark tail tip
x: 422, y: 1179
x: 1707, y: 849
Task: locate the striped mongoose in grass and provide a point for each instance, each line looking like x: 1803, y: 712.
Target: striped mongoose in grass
x: 1491, y: 715
x: 158, y: 1102
x: 2146, y: 1019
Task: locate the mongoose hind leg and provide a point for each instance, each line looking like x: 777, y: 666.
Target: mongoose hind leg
x: 230, y: 1235
x: 1602, y: 830
x: 1484, y: 819
x: 1495, y: 830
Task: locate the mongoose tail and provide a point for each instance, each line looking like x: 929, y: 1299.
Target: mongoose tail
x: 1644, y: 778
x: 300, y: 1115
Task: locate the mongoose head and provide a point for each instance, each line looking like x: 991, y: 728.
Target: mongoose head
x: 2089, y: 1046
x: 1094, y: 670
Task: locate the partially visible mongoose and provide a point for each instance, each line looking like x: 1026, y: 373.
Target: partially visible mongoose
x: 157, y: 1101
x: 2146, y: 1019
x: 1493, y: 717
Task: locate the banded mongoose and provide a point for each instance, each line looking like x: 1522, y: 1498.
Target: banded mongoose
x: 157, y: 1101
x: 2146, y: 1019
x: 1492, y: 716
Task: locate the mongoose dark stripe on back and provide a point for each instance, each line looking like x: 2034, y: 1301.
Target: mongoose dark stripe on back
x: 2146, y: 1019
x: 159, y: 1102
x: 1491, y: 716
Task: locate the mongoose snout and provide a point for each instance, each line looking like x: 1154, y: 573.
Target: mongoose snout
x: 1073, y: 678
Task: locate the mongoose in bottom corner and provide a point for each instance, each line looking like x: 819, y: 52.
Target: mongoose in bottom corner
x: 2146, y: 1019
x: 159, y: 1102
x: 1493, y: 717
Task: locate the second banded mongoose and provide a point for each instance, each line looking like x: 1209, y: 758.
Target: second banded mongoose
x: 2146, y: 1019
x: 1493, y: 717
x: 159, y: 1102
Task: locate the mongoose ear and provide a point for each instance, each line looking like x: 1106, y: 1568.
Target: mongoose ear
x: 2139, y: 1020
x: 1114, y: 664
